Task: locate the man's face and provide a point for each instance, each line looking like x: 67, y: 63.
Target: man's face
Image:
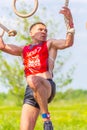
x: 39, y: 33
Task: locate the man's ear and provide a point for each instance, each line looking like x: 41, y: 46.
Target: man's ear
x: 30, y: 33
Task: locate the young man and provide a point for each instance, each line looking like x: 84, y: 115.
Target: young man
x: 38, y: 59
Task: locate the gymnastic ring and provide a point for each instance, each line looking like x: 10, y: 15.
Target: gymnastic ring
x: 26, y: 15
x: 12, y: 33
x: 1, y: 35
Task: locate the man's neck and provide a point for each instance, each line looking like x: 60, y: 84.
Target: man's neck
x: 36, y: 42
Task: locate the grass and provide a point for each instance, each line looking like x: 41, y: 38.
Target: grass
x: 9, y: 118
x: 70, y: 115
x: 65, y: 115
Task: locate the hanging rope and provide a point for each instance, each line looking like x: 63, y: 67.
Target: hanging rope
x: 10, y: 32
x: 66, y: 21
x: 66, y: 3
x: 25, y: 15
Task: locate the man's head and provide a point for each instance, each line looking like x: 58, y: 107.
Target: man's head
x: 38, y: 32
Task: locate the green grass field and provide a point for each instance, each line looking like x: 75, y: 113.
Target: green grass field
x: 65, y: 115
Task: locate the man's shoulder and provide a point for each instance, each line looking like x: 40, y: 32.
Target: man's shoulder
x: 49, y: 42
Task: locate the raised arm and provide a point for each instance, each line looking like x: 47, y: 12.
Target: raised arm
x: 68, y: 41
x: 10, y: 49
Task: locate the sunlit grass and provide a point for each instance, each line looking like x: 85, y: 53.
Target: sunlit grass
x: 65, y: 115
x: 68, y: 115
x: 9, y: 118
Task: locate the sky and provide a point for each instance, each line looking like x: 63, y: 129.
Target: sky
x: 78, y: 50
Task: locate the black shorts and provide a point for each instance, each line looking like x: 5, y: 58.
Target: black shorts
x: 29, y: 98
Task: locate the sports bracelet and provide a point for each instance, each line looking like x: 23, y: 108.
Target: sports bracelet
x: 46, y: 115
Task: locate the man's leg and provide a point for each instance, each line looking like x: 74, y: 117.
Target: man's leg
x: 42, y: 91
x: 28, y: 117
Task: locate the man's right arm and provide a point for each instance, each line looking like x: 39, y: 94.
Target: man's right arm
x: 10, y: 49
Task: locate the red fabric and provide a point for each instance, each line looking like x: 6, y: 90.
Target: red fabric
x: 35, y: 58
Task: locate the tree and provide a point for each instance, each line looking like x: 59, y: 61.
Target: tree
x: 12, y: 77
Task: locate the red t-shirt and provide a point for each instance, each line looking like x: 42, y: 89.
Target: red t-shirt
x: 35, y: 58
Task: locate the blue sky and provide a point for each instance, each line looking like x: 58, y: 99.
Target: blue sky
x: 79, y: 49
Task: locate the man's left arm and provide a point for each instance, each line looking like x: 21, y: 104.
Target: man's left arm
x: 65, y: 43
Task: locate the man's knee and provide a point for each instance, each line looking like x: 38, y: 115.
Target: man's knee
x: 35, y: 82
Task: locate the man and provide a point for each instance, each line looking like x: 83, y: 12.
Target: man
x: 38, y: 59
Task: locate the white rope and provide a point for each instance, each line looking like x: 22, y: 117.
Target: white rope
x: 66, y: 21
x: 66, y: 3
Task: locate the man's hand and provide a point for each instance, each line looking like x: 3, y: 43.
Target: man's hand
x: 67, y: 14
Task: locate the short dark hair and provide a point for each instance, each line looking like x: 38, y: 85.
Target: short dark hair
x: 36, y: 24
